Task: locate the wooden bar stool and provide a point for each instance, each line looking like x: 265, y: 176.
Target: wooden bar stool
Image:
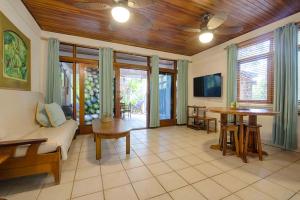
x: 252, y: 135
x: 233, y: 130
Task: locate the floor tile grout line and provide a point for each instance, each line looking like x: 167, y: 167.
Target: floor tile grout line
x: 154, y: 177
x: 273, y: 172
x: 130, y: 181
x: 76, y: 170
x: 103, y: 193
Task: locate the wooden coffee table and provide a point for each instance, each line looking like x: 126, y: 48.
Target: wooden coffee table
x: 114, y: 129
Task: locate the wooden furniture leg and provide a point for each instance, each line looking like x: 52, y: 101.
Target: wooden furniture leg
x: 259, y: 144
x: 246, y: 144
x: 207, y: 126
x: 241, y: 134
x: 215, y: 125
x: 233, y: 130
x: 236, y: 140
x: 98, y: 147
x: 224, y: 142
x: 128, y: 144
x: 223, y: 122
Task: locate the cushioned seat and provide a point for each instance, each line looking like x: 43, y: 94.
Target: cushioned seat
x: 59, y: 136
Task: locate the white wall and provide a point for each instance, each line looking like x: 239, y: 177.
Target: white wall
x: 99, y: 43
x: 214, y: 60
x: 16, y: 12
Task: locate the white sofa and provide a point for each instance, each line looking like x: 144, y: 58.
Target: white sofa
x: 17, y: 122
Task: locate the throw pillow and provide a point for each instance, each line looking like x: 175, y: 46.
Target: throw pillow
x: 41, y: 115
x: 55, y: 114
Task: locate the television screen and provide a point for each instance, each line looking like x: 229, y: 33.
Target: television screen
x: 208, y: 86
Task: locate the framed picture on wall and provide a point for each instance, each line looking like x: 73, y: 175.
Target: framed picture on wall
x: 14, y: 57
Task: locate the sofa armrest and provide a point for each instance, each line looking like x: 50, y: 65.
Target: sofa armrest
x: 8, y: 148
x: 12, y: 143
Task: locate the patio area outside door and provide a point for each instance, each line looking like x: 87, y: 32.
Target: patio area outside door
x: 132, y: 96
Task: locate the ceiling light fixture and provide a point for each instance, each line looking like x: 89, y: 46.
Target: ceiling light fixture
x: 120, y: 14
x: 206, y: 36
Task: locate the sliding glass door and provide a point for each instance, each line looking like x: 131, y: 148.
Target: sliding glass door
x: 89, y: 93
x: 80, y: 81
x: 165, y: 96
x: 133, y: 96
x: 132, y: 89
x: 167, y: 92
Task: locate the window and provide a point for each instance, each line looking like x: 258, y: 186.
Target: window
x: 130, y: 59
x: 255, y: 70
x: 168, y: 64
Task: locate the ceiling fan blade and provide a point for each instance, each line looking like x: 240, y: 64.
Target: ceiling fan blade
x: 140, y: 3
x: 216, y: 20
x: 189, y: 29
x: 228, y: 30
x: 92, y: 6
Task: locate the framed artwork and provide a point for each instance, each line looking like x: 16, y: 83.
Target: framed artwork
x: 14, y: 57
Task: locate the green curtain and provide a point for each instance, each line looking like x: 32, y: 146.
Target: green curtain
x: 231, y: 74
x: 154, y: 96
x: 54, y: 83
x: 106, y: 74
x: 286, y: 86
x: 182, y: 90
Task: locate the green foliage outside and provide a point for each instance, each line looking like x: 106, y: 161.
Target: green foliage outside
x: 15, y: 56
x: 132, y: 91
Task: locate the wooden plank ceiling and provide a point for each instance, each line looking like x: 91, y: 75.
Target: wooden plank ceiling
x: 62, y: 16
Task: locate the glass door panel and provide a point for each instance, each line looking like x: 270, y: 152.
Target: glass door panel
x: 133, y: 96
x: 67, y: 88
x: 88, y: 91
x: 165, y: 96
x: 91, y: 94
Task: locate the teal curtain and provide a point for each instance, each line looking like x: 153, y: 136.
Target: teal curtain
x: 106, y: 74
x: 54, y: 83
x: 231, y: 74
x: 182, y: 91
x: 154, y: 96
x: 286, y: 87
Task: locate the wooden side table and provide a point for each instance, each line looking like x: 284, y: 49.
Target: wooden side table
x: 114, y: 129
x: 199, y: 119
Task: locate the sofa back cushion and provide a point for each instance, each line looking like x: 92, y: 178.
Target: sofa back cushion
x: 17, y: 113
x: 55, y: 114
x: 41, y: 115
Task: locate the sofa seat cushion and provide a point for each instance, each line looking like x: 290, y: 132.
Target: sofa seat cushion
x: 59, y: 136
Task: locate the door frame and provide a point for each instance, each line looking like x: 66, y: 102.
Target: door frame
x: 83, y: 129
x: 173, y: 73
x: 117, y: 68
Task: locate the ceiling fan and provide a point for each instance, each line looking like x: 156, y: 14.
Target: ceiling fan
x: 121, y: 10
x: 210, y: 25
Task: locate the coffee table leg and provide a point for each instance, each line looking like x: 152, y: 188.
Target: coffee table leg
x: 128, y: 144
x: 98, y: 147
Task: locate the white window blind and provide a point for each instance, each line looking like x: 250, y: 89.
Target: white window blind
x: 255, y: 70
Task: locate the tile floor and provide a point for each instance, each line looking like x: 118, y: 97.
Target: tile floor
x: 164, y: 164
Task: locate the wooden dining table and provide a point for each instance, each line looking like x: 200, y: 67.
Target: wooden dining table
x: 239, y: 114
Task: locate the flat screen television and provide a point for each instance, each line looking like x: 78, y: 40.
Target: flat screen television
x: 208, y: 86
